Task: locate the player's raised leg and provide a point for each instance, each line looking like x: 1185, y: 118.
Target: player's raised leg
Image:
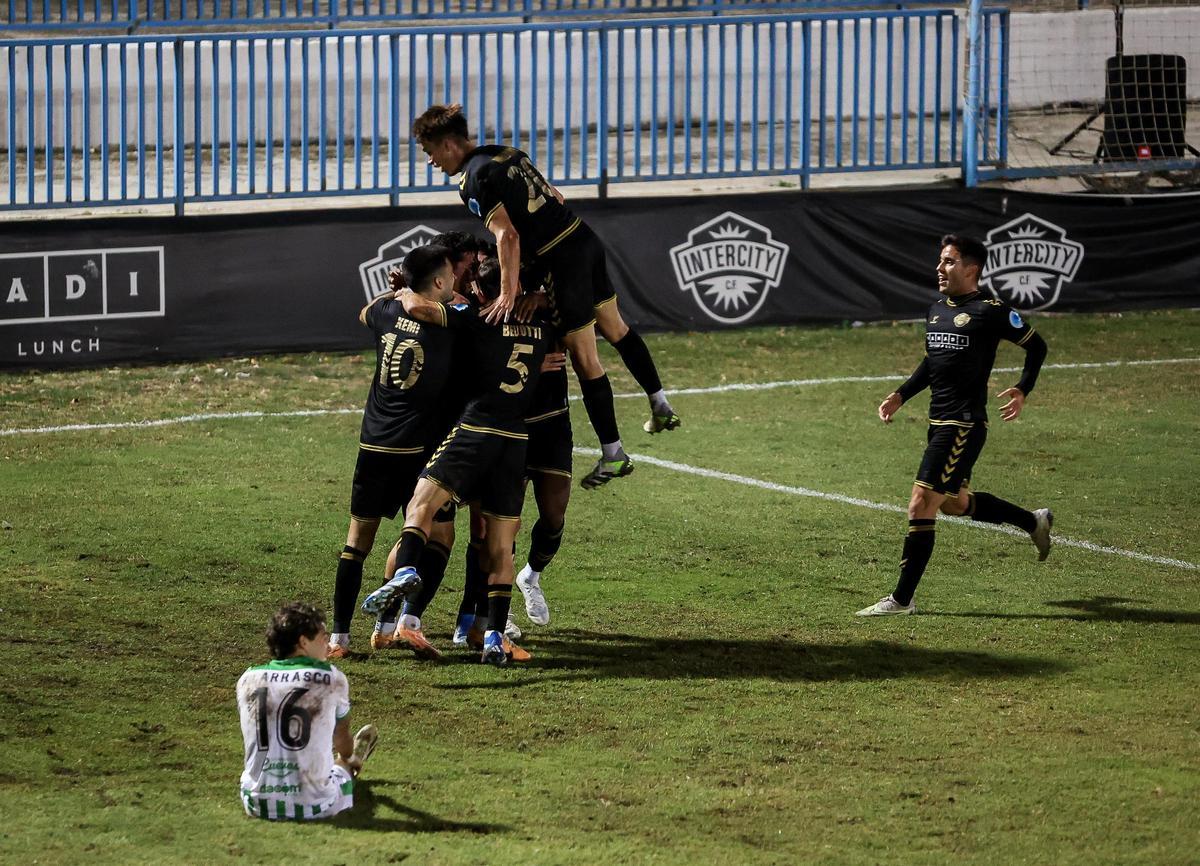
x: 638, y: 360
x: 598, y: 401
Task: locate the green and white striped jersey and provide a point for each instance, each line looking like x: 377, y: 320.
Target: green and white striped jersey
x: 289, y: 708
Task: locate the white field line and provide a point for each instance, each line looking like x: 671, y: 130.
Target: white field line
x: 683, y: 467
x: 882, y: 506
x: 716, y: 389
x: 900, y: 377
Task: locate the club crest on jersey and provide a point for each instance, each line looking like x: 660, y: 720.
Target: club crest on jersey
x: 961, y: 319
x: 729, y: 264
x: 374, y: 273
x: 1029, y: 260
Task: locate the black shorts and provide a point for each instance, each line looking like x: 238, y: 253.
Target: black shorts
x: 485, y: 467
x: 550, y: 446
x: 384, y: 482
x: 577, y: 282
x: 950, y: 455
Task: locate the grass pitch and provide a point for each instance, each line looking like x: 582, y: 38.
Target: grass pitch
x: 703, y: 695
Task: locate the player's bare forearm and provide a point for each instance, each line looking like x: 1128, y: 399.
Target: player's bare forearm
x: 420, y: 308
x: 508, y: 251
x: 343, y: 742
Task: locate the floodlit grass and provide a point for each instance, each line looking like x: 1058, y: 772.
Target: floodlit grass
x: 703, y: 695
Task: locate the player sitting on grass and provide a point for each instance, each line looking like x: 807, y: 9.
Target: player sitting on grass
x: 295, y: 714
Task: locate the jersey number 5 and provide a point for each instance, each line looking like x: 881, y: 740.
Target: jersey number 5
x: 515, y: 363
x: 293, y: 723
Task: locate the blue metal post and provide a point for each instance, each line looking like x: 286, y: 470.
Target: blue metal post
x: 180, y: 102
x: 971, y: 101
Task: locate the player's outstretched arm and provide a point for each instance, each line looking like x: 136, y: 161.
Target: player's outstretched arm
x: 508, y: 251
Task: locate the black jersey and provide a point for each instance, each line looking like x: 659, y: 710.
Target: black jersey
x: 505, y: 362
x: 961, y: 337
x: 549, y: 397
x: 412, y: 365
x: 494, y: 175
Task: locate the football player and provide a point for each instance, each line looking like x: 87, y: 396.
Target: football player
x: 962, y: 331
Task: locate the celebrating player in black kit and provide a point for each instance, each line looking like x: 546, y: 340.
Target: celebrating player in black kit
x: 482, y: 459
x: 400, y: 427
x: 533, y: 228
x: 962, y: 331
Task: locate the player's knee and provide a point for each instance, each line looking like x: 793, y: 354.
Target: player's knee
x: 923, y: 504
x: 612, y: 326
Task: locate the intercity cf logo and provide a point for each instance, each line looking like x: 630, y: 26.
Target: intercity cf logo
x: 729, y: 264
x: 374, y: 273
x: 1029, y: 259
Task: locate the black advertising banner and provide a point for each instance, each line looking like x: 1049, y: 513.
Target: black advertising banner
x: 98, y: 291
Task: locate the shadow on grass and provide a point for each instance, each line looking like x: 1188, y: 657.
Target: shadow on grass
x: 582, y: 655
x: 366, y: 806
x: 1097, y: 609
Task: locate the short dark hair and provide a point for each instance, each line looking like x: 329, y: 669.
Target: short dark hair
x: 487, y: 277
x: 458, y: 244
x: 422, y: 264
x: 439, y: 121
x: 294, y: 620
x: 972, y: 249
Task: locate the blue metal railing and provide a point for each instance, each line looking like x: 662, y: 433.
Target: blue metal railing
x: 174, y: 120
x: 131, y: 15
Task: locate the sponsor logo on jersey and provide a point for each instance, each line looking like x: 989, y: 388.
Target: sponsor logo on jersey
x: 946, y: 340
x: 933, y: 321
x: 1029, y: 261
x: 961, y: 320
x: 729, y: 264
x: 1014, y: 319
x: 374, y: 273
x: 473, y: 207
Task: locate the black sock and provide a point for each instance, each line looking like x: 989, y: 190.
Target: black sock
x: 636, y: 355
x: 346, y: 587
x: 543, y: 544
x: 475, y: 579
x: 993, y: 509
x: 598, y: 400
x: 499, y: 599
x: 412, y: 543
x: 432, y: 568
x: 918, y: 547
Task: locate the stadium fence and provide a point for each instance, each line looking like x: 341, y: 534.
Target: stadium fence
x: 136, y: 120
